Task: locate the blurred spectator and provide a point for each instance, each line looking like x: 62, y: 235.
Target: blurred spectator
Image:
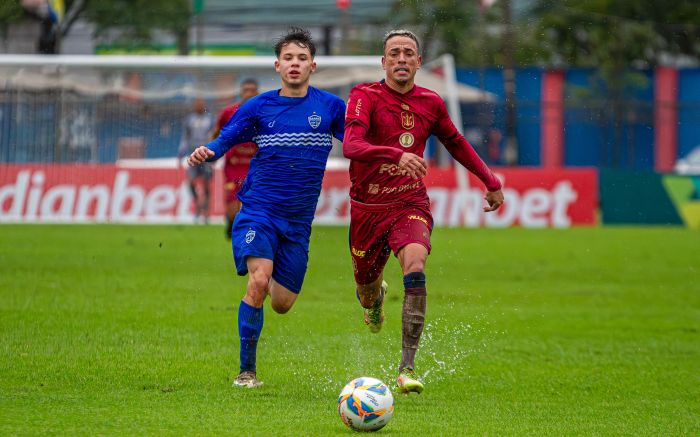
x: 237, y: 159
x: 197, y: 129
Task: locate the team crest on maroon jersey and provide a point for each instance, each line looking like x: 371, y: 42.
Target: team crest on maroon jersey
x: 404, y: 107
x: 407, y: 120
x: 315, y: 120
x: 406, y: 139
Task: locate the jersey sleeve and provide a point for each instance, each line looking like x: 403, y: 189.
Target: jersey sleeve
x: 461, y: 150
x: 240, y: 128
x: 357, y: 123
x: 339, y: 120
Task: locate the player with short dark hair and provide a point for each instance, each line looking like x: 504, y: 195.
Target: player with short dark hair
x: 237, y: 159
x: 386, y: 127
x: 293, y: 128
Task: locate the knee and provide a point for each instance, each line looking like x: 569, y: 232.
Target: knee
x: 280, y: 307
x: 257, y: 287
x: 416, y: 265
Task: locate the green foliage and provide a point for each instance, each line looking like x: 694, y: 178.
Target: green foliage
x: 137, y: 19
x: 10, y: 12
x: 131, y: 330
x: 445, y: 26
x: 133, y: 20
x: 613, y: 35
x: 616, y: 38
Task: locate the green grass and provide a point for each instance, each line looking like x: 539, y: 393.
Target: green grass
x: 117, y: 330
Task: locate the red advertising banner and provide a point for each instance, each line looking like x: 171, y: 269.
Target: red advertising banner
x: 534, y: 198
x: 108, y: 193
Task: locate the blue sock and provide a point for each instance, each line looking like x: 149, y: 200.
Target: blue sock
x: 414, y: 283
x: 250, y: 323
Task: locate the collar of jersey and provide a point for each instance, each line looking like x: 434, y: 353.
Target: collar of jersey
x: 292, y: 100
x: 396, y: 93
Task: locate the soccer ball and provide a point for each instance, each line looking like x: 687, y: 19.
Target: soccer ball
x: 365, y: 404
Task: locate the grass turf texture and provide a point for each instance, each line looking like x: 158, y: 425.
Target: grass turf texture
x: 131, y: 330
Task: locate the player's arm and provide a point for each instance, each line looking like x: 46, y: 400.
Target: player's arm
x: 239, y: 129
x: 356, y: 146
x: 338, y: 124
x: 464, y: 153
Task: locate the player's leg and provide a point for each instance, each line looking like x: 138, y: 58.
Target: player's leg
x: 250, y: 319
x: 369, y: 251
x: 291, y: 260
x: 192, y: 173
x: 371, y: 297
x: 412, y: 258
x: 412, y: 238
x: 369, y: 256
x: 232, y: 205
x: 254, y: 241
x: 281, y: 298
x: 206, y: 188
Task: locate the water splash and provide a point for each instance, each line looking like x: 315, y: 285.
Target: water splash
x: 446, y: 347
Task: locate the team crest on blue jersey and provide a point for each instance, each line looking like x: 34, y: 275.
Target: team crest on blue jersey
x: 315, y: 121
x: 249, y: 236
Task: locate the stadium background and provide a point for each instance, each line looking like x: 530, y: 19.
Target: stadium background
x: 565, y: 117
x: 586, y: 328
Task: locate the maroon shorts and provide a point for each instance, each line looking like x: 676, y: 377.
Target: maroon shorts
x: 231, y: 189
x: 377, y: 230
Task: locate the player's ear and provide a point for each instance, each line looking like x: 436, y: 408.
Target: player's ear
x: 313, y: 66
x: 420, y: 61
x: 277, y: 65
x: 383, y: 63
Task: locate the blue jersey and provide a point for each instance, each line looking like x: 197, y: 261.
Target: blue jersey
x: 294, y: 138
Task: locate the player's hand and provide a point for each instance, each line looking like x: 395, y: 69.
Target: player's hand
x: 200, y: 155
x: 495, y: 200
x: 413, y: 165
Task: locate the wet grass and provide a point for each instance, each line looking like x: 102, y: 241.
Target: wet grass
x: 131, y: 330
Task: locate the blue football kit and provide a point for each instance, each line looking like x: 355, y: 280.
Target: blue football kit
x: 280, y: 193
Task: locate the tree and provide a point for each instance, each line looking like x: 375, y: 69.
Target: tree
x: 136, y: 20
x: 446, y: 26
x: 10, y: 12
x: 614, y: 36
x: 132, y: 20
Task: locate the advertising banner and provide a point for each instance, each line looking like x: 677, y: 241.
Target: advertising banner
x: 108, y: 193
x: 648, y: 198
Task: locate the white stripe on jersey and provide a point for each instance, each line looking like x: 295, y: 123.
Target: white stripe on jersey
x: 295, y: 139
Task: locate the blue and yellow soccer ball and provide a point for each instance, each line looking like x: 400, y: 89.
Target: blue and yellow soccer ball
x: 366, y: 404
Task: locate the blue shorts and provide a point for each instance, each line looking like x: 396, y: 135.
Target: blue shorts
x: 261, y: 235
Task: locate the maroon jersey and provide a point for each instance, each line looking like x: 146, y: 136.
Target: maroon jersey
x: 237, y: 159
x: 381, y: 124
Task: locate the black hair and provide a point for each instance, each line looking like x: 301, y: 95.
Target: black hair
x: 401, y: 32
x: 249, y: 81
x: 296, y: 35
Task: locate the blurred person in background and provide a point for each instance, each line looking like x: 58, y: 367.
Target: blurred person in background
x: 386, y: 127
x: 237, y: 159
x: 196, y: 132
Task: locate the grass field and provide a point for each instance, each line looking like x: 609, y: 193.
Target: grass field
x: 114, y: 330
